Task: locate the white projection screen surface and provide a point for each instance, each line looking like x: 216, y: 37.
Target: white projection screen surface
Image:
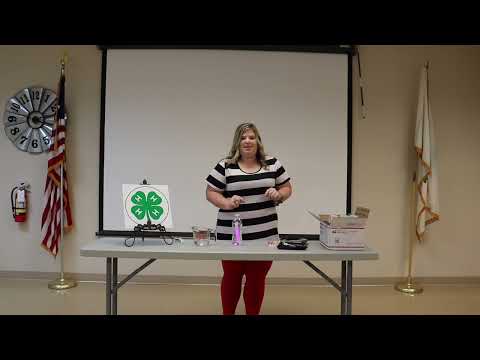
x: 170, y: 116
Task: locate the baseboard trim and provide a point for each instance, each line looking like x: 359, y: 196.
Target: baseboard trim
x: 214, y: 280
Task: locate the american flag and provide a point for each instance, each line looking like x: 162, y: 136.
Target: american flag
x: 52, y: 212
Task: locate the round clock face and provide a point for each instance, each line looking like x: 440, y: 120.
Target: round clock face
x: 29, y: 117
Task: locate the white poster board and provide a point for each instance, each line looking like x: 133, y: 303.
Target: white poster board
x: 142, y: 203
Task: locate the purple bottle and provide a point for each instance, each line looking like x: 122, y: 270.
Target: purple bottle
x: 237, y: 230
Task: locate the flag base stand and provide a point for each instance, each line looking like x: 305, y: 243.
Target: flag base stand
x: 409, y: 288
x: 62, y: 284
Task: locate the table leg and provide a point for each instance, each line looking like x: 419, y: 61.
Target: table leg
x: 343, y: 292
x: 349, y: 286
x: 114, y: 286
x: 108, y: 286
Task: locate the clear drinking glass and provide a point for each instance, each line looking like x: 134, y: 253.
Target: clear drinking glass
x: 203, y: 235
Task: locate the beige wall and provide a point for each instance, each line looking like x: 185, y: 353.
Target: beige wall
x: 382, y: 161
x: 23, y: 66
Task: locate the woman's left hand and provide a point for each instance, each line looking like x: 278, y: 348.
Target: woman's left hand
x: 273, y: 194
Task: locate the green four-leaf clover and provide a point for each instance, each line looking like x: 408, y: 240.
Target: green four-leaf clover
x: 149, y: 205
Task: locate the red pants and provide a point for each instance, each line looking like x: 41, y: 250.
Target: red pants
x: 255, y: 273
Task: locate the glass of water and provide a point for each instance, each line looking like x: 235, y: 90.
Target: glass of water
x: 202, y: 235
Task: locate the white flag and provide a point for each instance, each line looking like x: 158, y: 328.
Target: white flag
x: 427, y: 172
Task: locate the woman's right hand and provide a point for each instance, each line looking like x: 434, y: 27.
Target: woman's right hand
x: 233, y: 202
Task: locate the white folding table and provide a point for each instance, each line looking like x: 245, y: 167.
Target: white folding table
x: 113, y: 248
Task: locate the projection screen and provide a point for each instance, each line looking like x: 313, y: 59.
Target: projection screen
x: 169, y: 116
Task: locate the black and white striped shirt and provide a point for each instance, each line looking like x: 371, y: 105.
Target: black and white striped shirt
x: 258, y: 213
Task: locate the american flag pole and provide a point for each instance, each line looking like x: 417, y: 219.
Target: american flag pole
x: 61, y: 197
x: 62, y: 216
x: 62, y: 283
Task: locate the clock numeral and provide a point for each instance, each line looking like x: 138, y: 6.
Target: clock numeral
x: 53, y: 108
x: 35, y: 143
x: 12, y: 118
x: 14, y: 131
x: 46, y: 140
x: 24, y: 138
x: 15, y: 107
x: 36, y: 95
x: 47, y: 96
x: 24, y: 99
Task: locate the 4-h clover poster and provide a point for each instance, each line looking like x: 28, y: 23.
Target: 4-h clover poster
x: 146, y: 202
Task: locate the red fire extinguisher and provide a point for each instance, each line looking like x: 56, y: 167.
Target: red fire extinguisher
x: 19, y: 202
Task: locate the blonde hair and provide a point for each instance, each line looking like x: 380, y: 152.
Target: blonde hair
x: 234, y: 154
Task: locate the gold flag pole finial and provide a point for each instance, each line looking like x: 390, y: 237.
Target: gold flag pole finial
x: 63, y: 61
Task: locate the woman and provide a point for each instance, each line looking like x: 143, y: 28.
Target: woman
x: 251, y: 184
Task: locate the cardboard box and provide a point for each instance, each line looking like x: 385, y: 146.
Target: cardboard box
x: 347, y: 232
x: 341, y: 238
x: 343, y: 221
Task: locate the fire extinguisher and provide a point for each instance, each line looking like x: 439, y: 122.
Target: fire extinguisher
x: 18, y: 198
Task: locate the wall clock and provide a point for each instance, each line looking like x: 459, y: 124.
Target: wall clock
x: 29, y: 117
